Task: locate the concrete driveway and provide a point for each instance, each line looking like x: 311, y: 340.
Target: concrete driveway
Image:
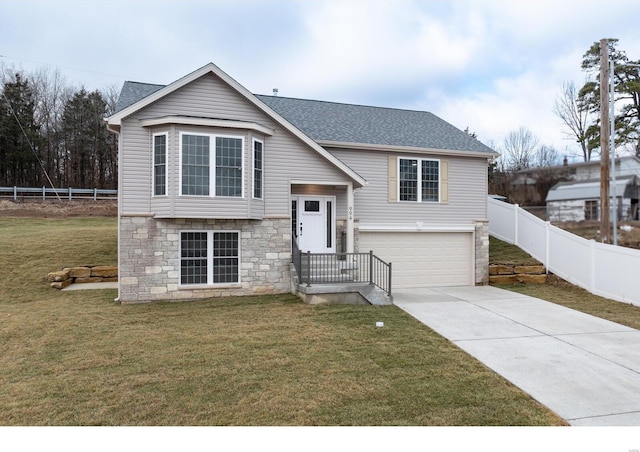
x: 585, y: 369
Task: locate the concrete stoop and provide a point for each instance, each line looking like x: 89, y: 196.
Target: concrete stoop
x: 351, y: 293
x: 347, y: 293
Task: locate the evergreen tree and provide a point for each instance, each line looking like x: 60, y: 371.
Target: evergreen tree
x: 86, y: 141
x: 19, y: 135
x: 627, y: 88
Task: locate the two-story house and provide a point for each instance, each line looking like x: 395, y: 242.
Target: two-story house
x: 217, y: 186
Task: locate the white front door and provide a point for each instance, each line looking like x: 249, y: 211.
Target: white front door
x: 316, y: 224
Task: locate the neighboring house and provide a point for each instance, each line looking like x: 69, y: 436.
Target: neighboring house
x: 217, y: 186
x: 578, y: 198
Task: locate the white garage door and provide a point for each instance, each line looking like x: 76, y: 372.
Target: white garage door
x: 423, y: 259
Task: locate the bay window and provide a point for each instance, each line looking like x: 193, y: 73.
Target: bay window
x: 257, y: 169
x: 160, y: 165
x: 211, y: 165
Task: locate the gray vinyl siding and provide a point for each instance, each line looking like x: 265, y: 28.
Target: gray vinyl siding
x: 467, y: 191
x: 286, y: 157
x: 134, y: 171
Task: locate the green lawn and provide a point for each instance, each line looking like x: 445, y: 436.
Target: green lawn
x: 79, y: 358
x: 502, y: 253
x: 561, y: 292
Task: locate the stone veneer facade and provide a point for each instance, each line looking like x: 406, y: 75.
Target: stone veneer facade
x: 482, y: 252
x: 149, y: 264
x: 149, y: 267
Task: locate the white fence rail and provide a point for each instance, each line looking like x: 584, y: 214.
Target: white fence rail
x: 606, y: 270
x: 69, y: 193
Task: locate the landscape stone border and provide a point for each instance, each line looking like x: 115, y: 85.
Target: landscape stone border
x: 512, y: 274
x: 80, y: 275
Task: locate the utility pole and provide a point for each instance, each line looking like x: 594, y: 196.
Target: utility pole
x: 604, y: 141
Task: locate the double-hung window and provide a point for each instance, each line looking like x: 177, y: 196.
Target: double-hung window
x: 160, y: 165
x: 591, y: 210
x: 209, y: 257
x: 212, y: 165
x: 258, y: 160
x: 419, y: 180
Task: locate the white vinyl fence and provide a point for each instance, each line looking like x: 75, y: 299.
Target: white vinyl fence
x: 606, y: 270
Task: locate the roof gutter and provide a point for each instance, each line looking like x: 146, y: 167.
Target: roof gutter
x: 406, y: 149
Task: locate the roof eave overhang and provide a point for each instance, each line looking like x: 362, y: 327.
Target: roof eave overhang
x: 406, y: 149
x: 209, y: 122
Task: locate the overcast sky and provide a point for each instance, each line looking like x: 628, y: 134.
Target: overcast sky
x: 490, y: 65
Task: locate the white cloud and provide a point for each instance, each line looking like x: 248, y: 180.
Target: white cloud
x: 355, y: 44
x: 491, y: 65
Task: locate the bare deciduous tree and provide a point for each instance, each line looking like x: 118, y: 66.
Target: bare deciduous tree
x: 51, y: 92
x: 519, y: 149
x: 576, y: 117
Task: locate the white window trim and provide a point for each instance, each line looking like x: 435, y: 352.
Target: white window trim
x: 420, y: 160
x: 212, y: 164
x: 210, y: 257
x: 166, y: 165
x: 253, y: 176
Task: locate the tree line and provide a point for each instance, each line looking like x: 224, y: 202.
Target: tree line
x: 53, y: 133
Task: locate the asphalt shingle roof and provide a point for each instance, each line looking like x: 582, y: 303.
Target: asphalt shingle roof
x: 348, y: 123
x: 132, y: 92
x: 331, y: 121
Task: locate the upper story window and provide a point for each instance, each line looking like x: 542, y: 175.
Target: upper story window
x: 160, y: 165
x: 257, y: 168
x: 419, y: 180
x: 211, y: 165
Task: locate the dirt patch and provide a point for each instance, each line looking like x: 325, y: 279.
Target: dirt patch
x: 58, y: 209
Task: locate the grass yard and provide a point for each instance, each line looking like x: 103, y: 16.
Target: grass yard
x: 502, y: 253
x: 78, y: 358
x: 561, y: 292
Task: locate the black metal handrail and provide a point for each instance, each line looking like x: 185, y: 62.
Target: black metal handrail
x: 295, y: 257
x: 341, y: 268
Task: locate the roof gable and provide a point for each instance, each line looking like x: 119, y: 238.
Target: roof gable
x: 136, y: 96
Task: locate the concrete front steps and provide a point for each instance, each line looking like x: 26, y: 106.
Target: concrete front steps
x: 347, y: 292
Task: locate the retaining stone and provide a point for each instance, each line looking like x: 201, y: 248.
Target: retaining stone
x: 105, y: 271
x: 530, y: 269
x: 513, y: 274
x: 78, y: 272
x: 531, y: 279
x: 61, y: 284
x: 503, y: 279
x: 60, y: 276
x: 496, y: 269
x: 80, y: 275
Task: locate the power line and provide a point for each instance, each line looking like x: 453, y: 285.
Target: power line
x: 57, y: 66
x: 33, y: 149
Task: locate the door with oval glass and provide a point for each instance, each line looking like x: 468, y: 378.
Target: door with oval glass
x: 316, y: 223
